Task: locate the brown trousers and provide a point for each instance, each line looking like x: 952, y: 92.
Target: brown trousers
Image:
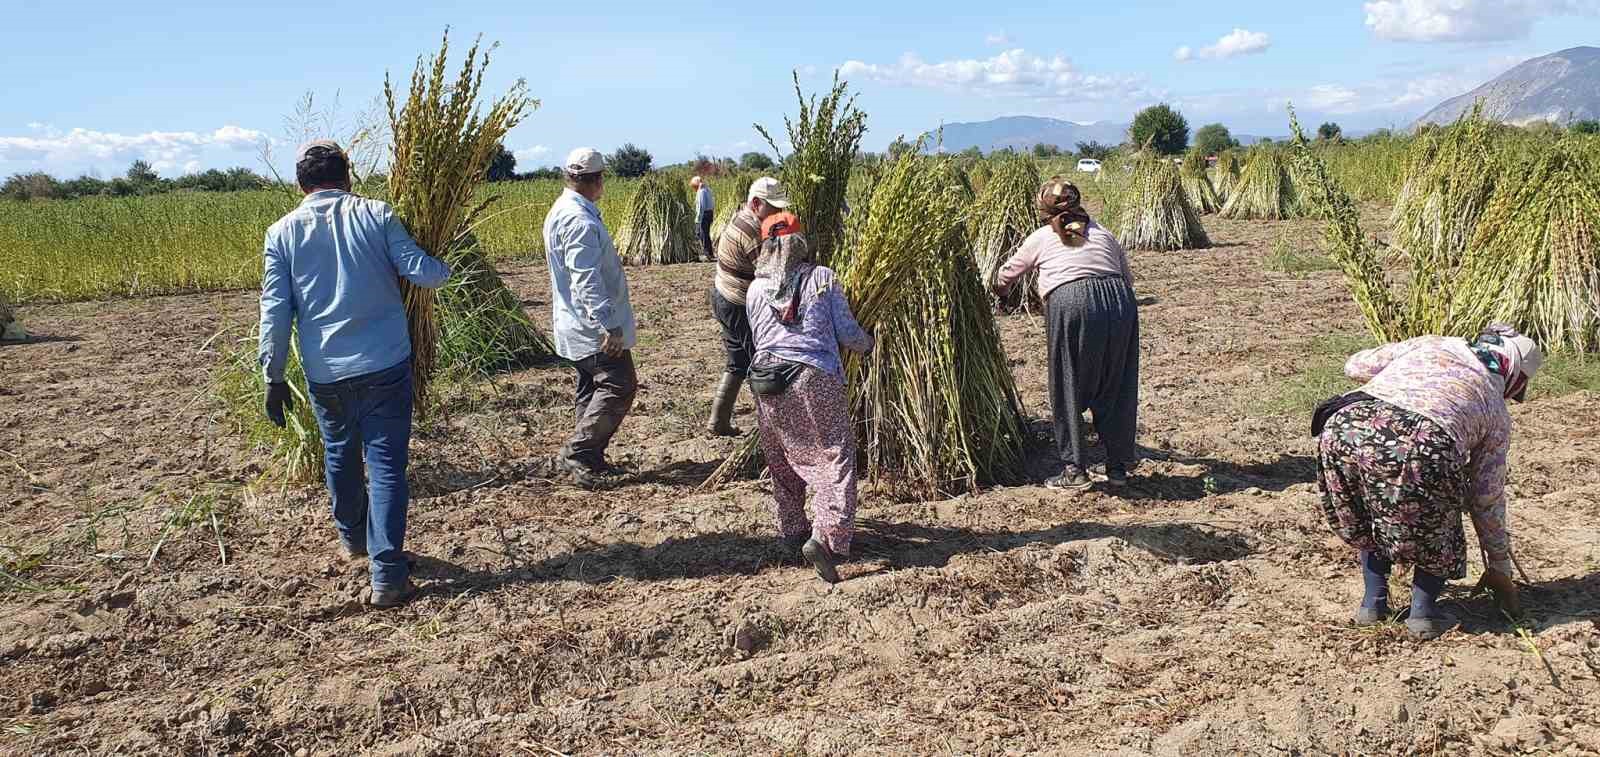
x: 606, y: 388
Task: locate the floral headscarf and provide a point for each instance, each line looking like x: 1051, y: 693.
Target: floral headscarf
x: 1061, y: 205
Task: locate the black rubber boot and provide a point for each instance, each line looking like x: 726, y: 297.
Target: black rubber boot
x: 721, y: 421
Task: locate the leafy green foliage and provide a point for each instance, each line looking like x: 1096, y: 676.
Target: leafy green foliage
x: 1092, y: 149
x: 826, y: 136
x: 1329, y: 132
x: 1213, y: 139
x: 503, y: 166
x: 755, y: 161
x: 1162, y: 128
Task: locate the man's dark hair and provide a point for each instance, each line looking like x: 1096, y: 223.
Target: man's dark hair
x: 322, y: 167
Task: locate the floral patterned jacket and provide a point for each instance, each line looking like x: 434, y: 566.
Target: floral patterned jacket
x: 1441, y: 379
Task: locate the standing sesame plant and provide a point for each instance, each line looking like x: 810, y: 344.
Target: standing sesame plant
x: 826, y: 137
x: 1002, y: 217
x: 8, y: 320
x: 443, y: 141
x: 659, y: 227
x: 1197, y: 186
x: 1155, y: 214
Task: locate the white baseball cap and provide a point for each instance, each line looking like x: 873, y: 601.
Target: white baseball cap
x: 770, y: 191
x: 584, y: 160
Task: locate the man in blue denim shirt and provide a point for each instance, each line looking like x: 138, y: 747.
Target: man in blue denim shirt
x: 593, y: 319
x: 333, y: 268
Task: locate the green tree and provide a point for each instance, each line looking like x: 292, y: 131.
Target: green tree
x: 141, y: 173
x: 1330, y: 132
x: 755, y: 161
x: 503, y: 167
x: 630, y: 161
x: 899, y: 147
x: 1095, y: 150
x: 1163, y: 128
x: 1212, y: 139
x: 1588, y: 126
x: 1042, y: 151
x: 973, y: 152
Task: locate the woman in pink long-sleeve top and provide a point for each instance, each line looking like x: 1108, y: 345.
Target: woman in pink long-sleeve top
x: 1093, y: 324
x: 1424, y: 439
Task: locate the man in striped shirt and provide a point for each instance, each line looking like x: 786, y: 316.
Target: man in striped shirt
x: 736, y: 268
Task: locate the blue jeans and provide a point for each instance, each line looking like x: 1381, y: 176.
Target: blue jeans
x: 368, y: 418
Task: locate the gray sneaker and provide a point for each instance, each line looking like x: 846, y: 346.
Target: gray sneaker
x: 822, y: 559
x: 1072, y: 479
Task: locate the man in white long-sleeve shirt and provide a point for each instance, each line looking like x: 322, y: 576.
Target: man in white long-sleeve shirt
x: 591, y: 315
x: 705, y: 209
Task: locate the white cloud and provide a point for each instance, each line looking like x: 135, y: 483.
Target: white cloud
x: 806, y: 71
x: 997, y: 38
x: 1235, y: 43
x: 530, y: 156
x: 167, y: 150
x: 1464, y: 20
x: 1010, y: 73
x: 1332, y: 98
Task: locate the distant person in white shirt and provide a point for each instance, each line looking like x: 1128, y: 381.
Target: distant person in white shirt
x: 705, y: 207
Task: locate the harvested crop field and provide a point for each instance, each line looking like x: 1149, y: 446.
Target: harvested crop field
x: 152, y: 605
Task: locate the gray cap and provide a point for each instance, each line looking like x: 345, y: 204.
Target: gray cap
x: 304, y: 150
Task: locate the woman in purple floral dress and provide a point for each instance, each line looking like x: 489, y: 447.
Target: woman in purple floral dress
x: 799, y: 318
x: 1424, y: 439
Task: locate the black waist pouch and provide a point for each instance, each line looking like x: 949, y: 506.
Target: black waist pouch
x: 774, y: 378
x: 1331, y: 405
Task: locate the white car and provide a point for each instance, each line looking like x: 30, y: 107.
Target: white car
x: 1088, y: 165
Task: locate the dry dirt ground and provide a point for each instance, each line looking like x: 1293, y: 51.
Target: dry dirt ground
x: 1202, y: 611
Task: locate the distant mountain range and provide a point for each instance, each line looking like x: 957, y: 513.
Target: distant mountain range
x: 1561, y: 87
x: 1023, y: 132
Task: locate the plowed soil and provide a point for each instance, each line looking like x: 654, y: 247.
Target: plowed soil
x: 161, y: 599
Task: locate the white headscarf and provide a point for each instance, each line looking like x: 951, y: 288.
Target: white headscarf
x: 1521, y: 357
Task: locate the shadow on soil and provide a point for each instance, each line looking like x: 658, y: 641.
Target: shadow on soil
x: 899, y: 545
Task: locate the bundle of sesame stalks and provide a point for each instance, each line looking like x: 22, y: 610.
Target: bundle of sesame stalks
x: 1450, y: 178
x: 934, y: 406
x: 1002, y: 217
x: 1265, y: 190
x: 1154, y: 213
x: 1534, y: 260
x: 727, y: 207
x: 1226, y: 174
x: 1197, y: 186
x: 826, y: 137
x: 660, y: 224
x: 443, y: 141
x: 935, y: 402
x: 8, y: 320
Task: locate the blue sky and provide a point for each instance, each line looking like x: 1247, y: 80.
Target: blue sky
x: 92, y: 86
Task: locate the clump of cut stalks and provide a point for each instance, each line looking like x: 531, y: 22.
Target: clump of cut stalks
x: 9, y: 328
x: 443, y: 141
x: 1227, y: 174
x: 483, y: 328
x: 1265, y: 190
x: 1004, y: 215
x: 1197, y: 185
x: 660, y: 227
x: 726, y: 208
x: 1154, y: 212
x: 826, y: 137
x: 295, y: 451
